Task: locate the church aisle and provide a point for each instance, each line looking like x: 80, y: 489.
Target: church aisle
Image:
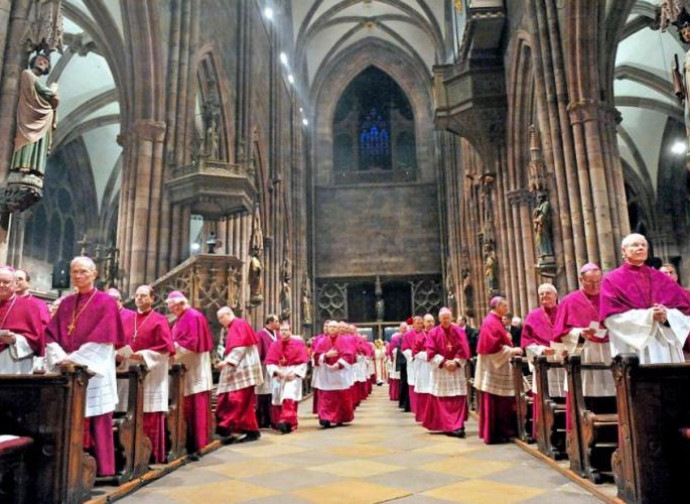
x: 382, y: 457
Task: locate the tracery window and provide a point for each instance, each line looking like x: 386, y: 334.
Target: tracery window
x: 373, y: 131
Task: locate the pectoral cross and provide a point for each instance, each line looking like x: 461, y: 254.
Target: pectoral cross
x: 283, y: 361
x: 70, y: 328
x: 449, y: 346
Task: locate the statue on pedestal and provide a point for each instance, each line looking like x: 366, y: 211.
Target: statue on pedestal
x: 36, y: 121
x: 677, y: 13
x: 490, y: 269
x: 286, y: 289
x: 543, y: 226
x: 256, y: 268
x: 306, y: 300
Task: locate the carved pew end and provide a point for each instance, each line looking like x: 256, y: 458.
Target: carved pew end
x: 14, y: 455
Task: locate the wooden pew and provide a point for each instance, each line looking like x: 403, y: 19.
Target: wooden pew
x: 50, y: 410
x: 176, y: 427
x: 14, y: 455
x: 551, y: 428
x: 132, y: 446
x: 524, y: 402
x: 651, y: 463
x: 594, y: 430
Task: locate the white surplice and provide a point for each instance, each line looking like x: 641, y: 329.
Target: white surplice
x: 198, y: 377
x: 99, y: 358
x: 636, y: 331
x: 332, y: 377
x: 281, y: 388
x: 18, y: 358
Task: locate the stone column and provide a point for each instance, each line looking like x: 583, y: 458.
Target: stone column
x: 144, y: 143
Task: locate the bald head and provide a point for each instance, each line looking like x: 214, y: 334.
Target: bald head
x: 7, y: 283
x: 225, y: 316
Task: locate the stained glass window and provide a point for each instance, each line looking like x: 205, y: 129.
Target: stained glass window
x: 374, y: 142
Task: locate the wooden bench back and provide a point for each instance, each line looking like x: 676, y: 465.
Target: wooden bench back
x: 651, y: 463
x: 50, y: 409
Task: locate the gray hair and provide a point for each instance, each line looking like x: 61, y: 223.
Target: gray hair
x: 86, y: 261
x: 547, y: 287
x: 225, y: 310
x: 630, y: 238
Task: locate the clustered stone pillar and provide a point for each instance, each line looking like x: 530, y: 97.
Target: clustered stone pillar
x: 143, y: 156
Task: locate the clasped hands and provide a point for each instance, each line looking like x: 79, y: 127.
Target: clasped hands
x: 450, y: 365
x: 9, y: 338
x: 285, y: 376
x: 659, y: 313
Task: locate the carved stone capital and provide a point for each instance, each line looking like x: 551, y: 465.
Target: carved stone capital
x: 146, y: 129
x: 593, y: 110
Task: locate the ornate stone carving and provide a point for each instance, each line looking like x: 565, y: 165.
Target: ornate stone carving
x: 490, y: 268
x: 46, y: 30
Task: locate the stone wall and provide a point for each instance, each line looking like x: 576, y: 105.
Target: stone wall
x: 377, y: 229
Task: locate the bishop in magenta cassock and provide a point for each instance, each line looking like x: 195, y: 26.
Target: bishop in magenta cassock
x: 85, y: 331
x: 644, y: 310
x: 124, y: 351
x: 393, y: 372
x: 410, y: 342
x: 287, y: 366
x: 335, y: 355
x: 315, y: 370
x: 240, y: 373
x: 22, y: 328
x: 22, y: 282
x: 494, y: 378
x: 267, y: 335
x: 537, y: 335
x: 151, y: 342
x: 447, y: 350
x: 193, y: 346
x: 422, y: 369
x: 578, y: 327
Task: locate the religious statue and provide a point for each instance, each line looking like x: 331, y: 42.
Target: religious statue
x: 380, y: 305
x: 380, y: 309
x: 211, y: 140
x: 490, y: 268
x: 306, y: 300
x: 36, y: 121
x: 677, y: 12
x: 256, y: 284
x: 286, y: 289
x: 468, y: 292
x: 543, y: 229
x: 450, y: 284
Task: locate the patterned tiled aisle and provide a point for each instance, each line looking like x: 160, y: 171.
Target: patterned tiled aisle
x: 382, y: 457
